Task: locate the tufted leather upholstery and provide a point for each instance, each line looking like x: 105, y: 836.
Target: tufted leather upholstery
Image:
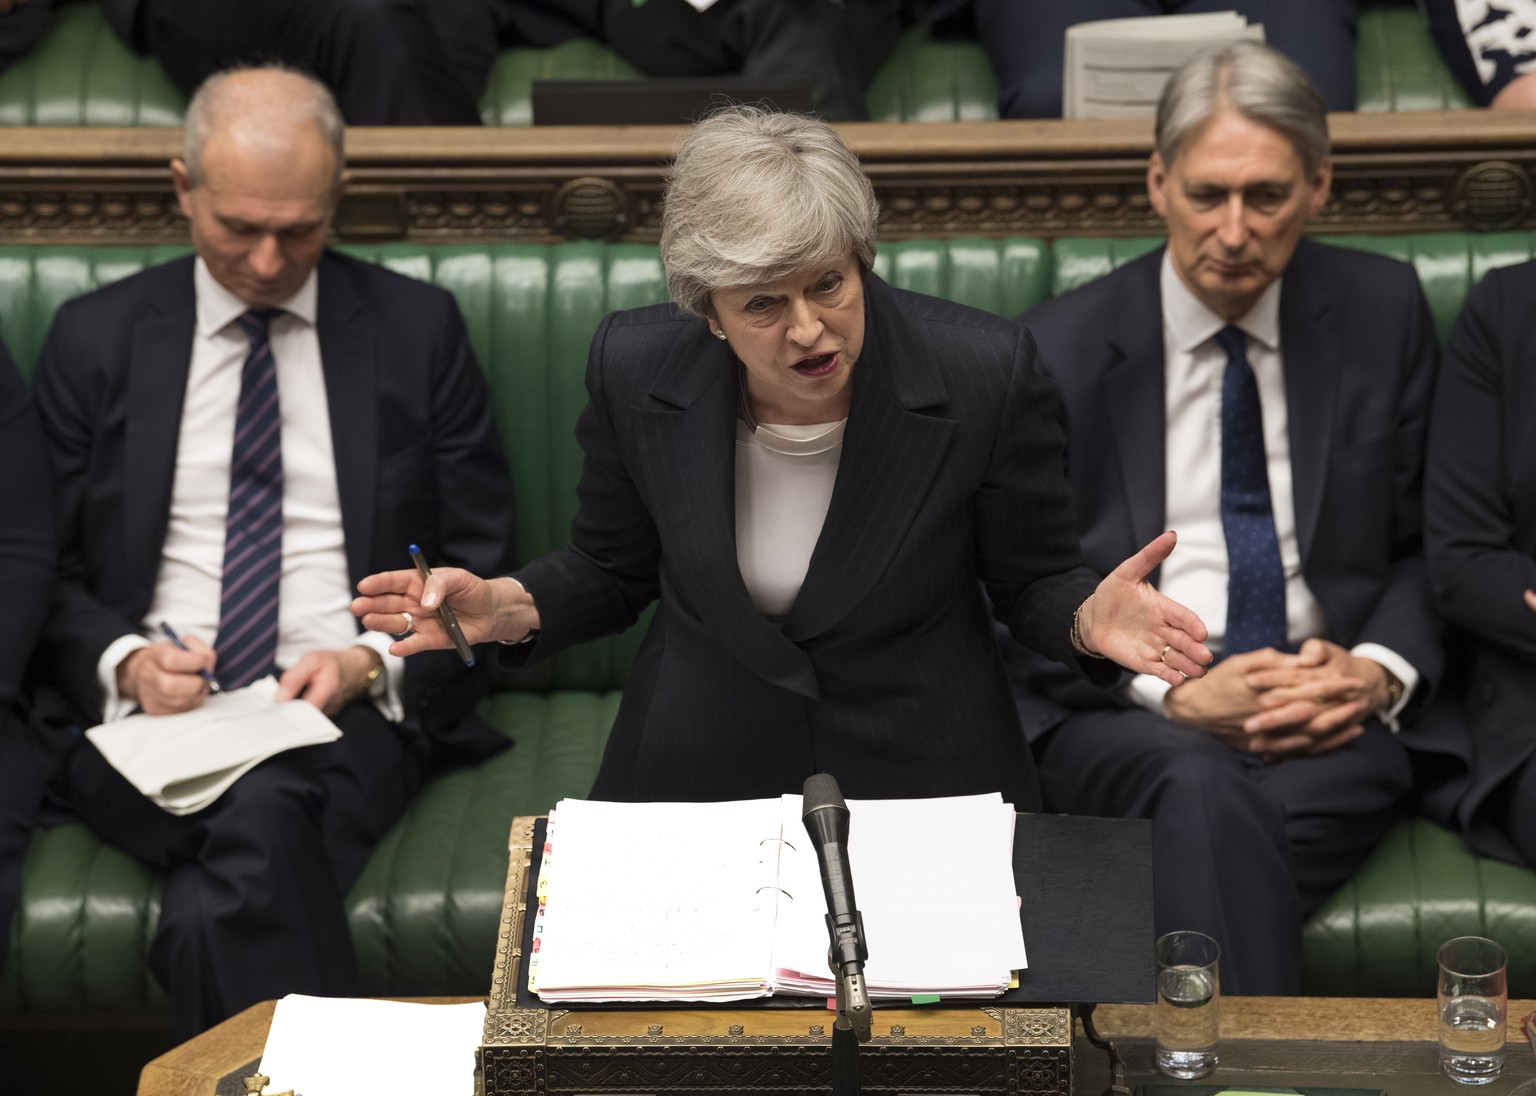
x: 82, y: 75
x: 424, y: 913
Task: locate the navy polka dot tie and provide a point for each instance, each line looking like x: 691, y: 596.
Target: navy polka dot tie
x: 253, y: 527
x: 1255, y: 577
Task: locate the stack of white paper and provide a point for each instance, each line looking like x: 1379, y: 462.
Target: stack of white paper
x: 325, y: 1046
x: 723, y: 901
x: 1116, y: 68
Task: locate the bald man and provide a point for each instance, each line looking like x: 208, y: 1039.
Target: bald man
x: 237, y: 437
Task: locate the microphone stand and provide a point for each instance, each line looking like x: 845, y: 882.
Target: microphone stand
x: 826, y: 819
x: 852, y: 1027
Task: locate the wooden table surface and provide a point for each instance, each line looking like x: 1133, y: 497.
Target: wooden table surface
x: 194, y: 1068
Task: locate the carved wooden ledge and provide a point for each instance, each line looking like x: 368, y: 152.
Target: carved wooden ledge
x: 1418, y: 172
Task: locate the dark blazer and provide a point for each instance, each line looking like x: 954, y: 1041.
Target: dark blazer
x: 884, y: 674
x: 417, y: 460
x: 1360, y: 358
x: 1480, y: 528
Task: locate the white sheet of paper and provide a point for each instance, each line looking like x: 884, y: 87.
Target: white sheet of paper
x: 938, y: 909
x: 184, y: 761
x: 340, y: 1046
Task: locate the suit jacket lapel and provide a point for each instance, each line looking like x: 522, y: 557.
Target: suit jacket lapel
x: 687, y: 432
x: 160, y: 357
x: 1133, y: 389
x: 349, y: 362
x: 892, y: 450
x: 1310, y: 352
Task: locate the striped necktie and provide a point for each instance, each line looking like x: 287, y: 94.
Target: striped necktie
x: 253, y: 526
x: 1255, y: 576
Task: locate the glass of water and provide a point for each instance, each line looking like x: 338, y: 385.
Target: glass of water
x: 1473, y: 1001
x: 1188, y: 1020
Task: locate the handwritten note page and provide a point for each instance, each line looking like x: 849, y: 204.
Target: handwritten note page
x: 648, y: 904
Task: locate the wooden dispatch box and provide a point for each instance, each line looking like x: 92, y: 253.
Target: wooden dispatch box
x: 637, y: 1052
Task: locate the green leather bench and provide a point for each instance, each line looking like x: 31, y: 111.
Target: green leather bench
x: 425, y: 912
x: 82, y: 75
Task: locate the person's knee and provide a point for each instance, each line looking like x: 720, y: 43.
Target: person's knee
x: 1210, y: 791
x: 21, y: 28
x: 382, y: 23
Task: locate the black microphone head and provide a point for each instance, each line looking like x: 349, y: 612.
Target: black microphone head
x: 821, y: 791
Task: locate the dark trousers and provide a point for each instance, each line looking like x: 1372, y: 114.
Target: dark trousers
x: 381, y: 58
x: 1025, y: 42
x: 20, y: 28
x: 1241, y: 850
x: 253, y: 903
x: 835, y: 48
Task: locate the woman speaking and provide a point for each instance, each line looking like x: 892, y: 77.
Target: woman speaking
x: 815, y: 475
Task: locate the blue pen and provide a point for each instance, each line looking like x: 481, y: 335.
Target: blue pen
x: 205, y: 674
x: 450, y: 621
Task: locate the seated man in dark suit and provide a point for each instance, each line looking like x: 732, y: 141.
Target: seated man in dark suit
x: 236, y: 438
x: 1265, y: 396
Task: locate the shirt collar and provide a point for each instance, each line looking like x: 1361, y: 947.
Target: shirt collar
x: 1191, y: 323
x: 217, y: 307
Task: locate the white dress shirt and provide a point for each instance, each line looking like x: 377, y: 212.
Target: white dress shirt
x: 1195, y: 574
x: 315, y: 589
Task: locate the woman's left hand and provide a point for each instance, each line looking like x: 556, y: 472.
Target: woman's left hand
x: 1126, y: 619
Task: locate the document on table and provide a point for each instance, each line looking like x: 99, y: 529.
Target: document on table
x: 338, y: 1046
x: 723, y: 901
x: 185, y: 761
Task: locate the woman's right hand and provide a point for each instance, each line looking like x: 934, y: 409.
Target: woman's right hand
x: 494, y: 609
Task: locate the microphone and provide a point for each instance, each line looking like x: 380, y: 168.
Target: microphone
x: 826, y: 819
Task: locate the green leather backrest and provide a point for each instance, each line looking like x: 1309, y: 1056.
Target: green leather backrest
x: 82, y: 75
x: 1396, y: 64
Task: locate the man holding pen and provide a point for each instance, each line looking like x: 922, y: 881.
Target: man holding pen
x: 237, y: 438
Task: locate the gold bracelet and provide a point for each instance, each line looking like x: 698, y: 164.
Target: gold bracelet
x: 1077, y: 633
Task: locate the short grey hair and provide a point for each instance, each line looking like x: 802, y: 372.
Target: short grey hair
x: 215, y: 99
x: 755, y: 195
x: 1261, y: 84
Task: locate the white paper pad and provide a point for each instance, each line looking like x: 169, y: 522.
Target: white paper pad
x: 344, y: 1046
x: 184, y: 762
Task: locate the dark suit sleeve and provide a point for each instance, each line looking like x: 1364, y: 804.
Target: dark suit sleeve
x: 26, y: 533
x: 1403, y: 617
x: 608, y: 574
x: 1479, y: 561
x: 71, y: 400
x: 1027, y: 545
